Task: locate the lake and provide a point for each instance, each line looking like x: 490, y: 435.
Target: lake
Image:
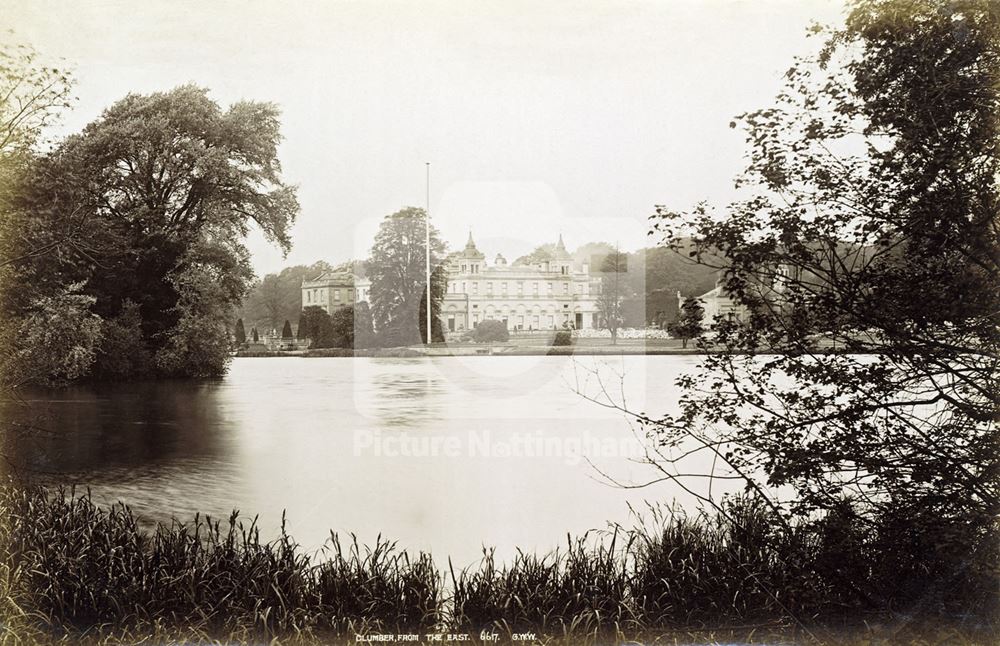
x: 443, y: 455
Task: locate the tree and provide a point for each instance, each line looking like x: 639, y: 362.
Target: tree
x: 256, y: 336
x: 32, y: 95
x: 397, y: 272
x: 301, y: 333
x: 168, y: 184
x: 342, y: 327
x: 286, y: 330
x: 318, y: 327
x: 241, y: 333
x: 57, y: 341
x: 611, y: 299
x: 871, y: 226
x: 687, y: 325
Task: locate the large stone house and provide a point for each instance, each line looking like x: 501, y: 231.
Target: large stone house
x: 548, y: 293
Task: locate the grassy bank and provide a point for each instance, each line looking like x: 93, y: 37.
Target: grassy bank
x: 73, y: 571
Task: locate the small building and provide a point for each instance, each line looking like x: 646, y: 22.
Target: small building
x: 333, y: 290
x: 717, y: 304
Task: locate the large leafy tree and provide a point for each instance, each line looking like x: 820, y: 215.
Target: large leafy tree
x: 33, y: 93
x: 870, y: 224
x: 169, y: 184
x: 397, y: 271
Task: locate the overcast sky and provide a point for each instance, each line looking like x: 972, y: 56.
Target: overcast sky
x: 538, y: 118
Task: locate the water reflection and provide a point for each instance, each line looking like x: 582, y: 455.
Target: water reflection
x: 107, y: 428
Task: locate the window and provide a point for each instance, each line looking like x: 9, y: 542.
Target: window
x: 549, y: 288
x: 475, y: 287
x: 503, y: 288
x: 520, y: 287
x: 535, y: 288
x: 562, y: 270
x: 463, y: 269
x: 336, y: 294
x: 463, y: 286
x: 565, y: 288
x: 489, y: 287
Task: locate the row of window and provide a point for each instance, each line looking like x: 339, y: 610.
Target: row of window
x: 320, y: 295
x: 474, y: 269
x: 461, y: 287
x: 519, y: 322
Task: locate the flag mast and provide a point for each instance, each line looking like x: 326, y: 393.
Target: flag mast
x: 427, y: 250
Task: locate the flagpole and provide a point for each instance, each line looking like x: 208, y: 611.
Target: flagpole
x: 427, y: 250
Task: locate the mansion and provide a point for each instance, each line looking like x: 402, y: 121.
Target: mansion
x: 551, y: 292
x: 547, y: 294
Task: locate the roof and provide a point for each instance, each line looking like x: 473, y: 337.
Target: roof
x: 333, y: 278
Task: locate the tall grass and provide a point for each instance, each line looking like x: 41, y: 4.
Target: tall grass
x: 72, y: 570
x: 82, y: 569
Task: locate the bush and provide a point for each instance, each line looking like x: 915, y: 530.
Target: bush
x: 122, y: 353
x: 563, y: 337
x: 491, y: 331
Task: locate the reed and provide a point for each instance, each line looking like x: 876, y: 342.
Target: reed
x: 72, y: 571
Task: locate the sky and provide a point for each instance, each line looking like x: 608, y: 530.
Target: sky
x: 537, y: 118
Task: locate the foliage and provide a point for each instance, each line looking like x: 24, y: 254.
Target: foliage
x: 256, y: 336
x: 688, y: 324
x: 342, y: 327
x: 398, y: 274
x: 872, y: 227
x: 122, y: 353
x: 240, y: 333
x: 57, y: 341
x: 199, y: 344
x: 286, y: 330
x: 32, y: 94
x: 491, y: 331
x: 159, y: 182
x: 317, y: 326
x: 563, y: 337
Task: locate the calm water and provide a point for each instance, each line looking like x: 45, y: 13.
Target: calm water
x: 442, y: 455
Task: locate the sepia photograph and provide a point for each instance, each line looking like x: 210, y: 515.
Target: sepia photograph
x: 593, y: 322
